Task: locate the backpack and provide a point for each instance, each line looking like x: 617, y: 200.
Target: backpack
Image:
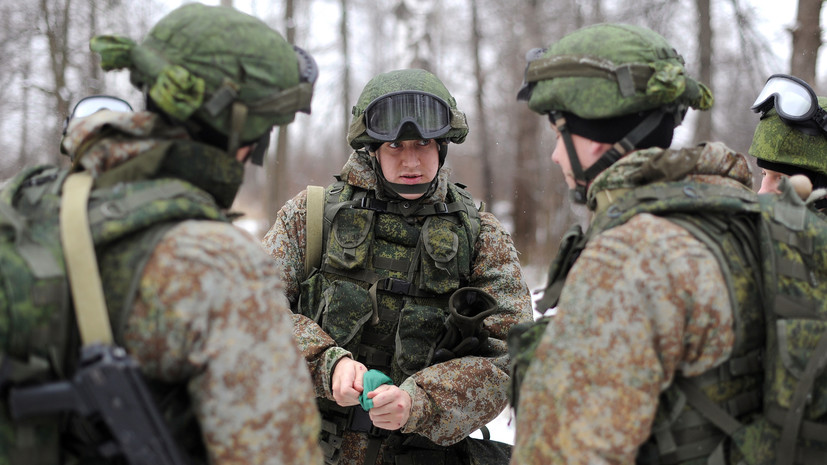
x: 38, y: 331
x: 777, y: 243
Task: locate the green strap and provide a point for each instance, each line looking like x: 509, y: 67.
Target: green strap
x: 785, y: 454
x: 81, y: 263
x: 630, y: 77
x: 698, y: 399
x: 810, y: 430
x: 314, y: 220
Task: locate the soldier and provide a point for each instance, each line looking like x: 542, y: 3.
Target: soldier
x: 790, y: 142
x: 413, y: 282
x: 662, y: 290
x: 193, y: 299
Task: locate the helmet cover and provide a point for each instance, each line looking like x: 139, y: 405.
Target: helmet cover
x: 397, y: 82
x: 778, y: 142
x: 198, y: 60
x: 611, y: 70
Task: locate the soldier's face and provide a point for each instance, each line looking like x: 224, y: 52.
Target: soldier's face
x: 409, y: 162
x: 588, y: 152
x: 769, y: 181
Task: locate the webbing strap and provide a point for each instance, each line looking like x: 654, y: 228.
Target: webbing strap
x: 698, y: 399
x: 314, y: 222
x: 785, y: 453
x: 809, y: 429
x: 81, y: 263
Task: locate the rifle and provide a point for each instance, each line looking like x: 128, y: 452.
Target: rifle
x: 107, y: 386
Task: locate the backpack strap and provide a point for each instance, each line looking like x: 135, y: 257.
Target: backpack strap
x: 81, y: 264
x: 314, y: 219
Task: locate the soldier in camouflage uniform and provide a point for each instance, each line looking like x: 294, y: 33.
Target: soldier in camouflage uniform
x: 645, y: 313
x: 790, y: 144
x: 405, y: 251
x: 206, y: 316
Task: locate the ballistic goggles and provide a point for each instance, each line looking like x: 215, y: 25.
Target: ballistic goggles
x: 94, y: 103
x: 386, y: 116
x: 794, y: 101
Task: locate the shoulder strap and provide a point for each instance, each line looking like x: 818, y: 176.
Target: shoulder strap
x: 315, y: 215
x: 81, y: 264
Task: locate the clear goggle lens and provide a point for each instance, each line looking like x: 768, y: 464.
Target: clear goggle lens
x: 385, y: 116
x: 95, y: 103
x: 792, y: 98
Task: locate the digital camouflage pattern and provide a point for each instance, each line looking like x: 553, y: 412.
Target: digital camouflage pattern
x: 452, y: 399
x: 221, y: 329
x: 195, y: 51
x: 778, y: 142
x: 632, y: 316
x: 627, y: 69
x: 397, y: 81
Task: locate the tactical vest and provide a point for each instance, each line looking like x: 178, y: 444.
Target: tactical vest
x: 767, y: 403
x: 382, y: 288
x: 38, y: 335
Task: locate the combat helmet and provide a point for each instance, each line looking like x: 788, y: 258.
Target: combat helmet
x: 226, y: 73
x: 791, y: 136
x: 406, y: 104
x: 611, y: 76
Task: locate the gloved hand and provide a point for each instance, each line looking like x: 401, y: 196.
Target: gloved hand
x: 464, y: 331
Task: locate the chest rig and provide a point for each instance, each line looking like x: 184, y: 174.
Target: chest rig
x: 381, y: 290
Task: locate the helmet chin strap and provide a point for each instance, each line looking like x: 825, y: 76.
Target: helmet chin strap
x: 578, y: 194
x: 583, y: 178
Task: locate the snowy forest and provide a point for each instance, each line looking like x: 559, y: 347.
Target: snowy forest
x: 477, y: 47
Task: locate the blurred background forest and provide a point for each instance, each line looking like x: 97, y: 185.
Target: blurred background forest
x: 477, y: 47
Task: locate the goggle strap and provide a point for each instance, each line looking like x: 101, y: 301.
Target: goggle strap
x: 820, y: 118
x: 296, y: 98
x: 630, y: 77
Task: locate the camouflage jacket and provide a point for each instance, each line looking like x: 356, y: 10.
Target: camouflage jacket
x: 452, y: 399
x: 644, y: 302
x: 210, y: 314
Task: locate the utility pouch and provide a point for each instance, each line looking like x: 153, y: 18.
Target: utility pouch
x: 346, y: 308
x: 464, y: 332
x: 420, y: 326
x: 350, y: 239
x: 440, y: 269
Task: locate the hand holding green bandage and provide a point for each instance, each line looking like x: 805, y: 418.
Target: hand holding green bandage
x: 372, y: 379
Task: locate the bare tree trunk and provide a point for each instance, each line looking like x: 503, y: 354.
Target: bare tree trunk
x: 22, y: 156
x: 703, y: 130
x: 94, y: 83
x: 806, y: 40
x: 527, y: 186
x: 346, y: 102
x: 485, y: 146
x: 415, y: 22
x: 57, y: 32
x: 278, y: 189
